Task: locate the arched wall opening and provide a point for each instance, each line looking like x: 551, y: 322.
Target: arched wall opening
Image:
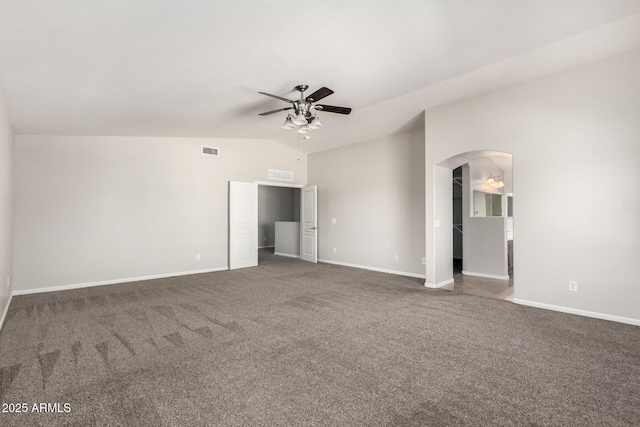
x: 486, y: 263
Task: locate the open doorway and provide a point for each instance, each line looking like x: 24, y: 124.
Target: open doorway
x: 279, y: 221
x: 243, y: 224
x: 478, y: 258
x: 457, y: 220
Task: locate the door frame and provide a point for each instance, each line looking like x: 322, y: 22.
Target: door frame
x: 274, y: 184
x: 270, y: 184
x: 439, y: 246
x: 277, y: 184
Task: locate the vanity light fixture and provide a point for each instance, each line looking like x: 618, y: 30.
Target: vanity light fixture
x: 495, y: 182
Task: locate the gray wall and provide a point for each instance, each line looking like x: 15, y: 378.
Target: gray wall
x: 484, y: 244
x: 101, y: 209
x: 288, y: 240
x: 575, y: 140
x: 375, y: 191
x: 6, y: 205
x: 485, y: 247
x: 274, y: 204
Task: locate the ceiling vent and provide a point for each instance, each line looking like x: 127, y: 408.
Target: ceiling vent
x: 280, y: 175
x: 210, y: 151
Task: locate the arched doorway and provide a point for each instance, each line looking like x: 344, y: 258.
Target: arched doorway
x: 486, y: 229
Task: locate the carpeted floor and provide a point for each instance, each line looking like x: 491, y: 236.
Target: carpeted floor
x: 293, y: 343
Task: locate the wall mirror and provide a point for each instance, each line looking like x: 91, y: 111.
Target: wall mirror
x: 487, y: 204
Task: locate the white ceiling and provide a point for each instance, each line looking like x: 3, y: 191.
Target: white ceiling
x: 194, y: 67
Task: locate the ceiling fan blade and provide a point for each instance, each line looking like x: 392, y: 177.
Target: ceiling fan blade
x: 277, y: 97
x: 332, y: 109
x: 275, y: 111
x: 323, y: 92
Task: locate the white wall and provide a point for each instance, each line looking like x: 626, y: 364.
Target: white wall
x: 375, y: 191
x: 6, y: 206
x: 442, y: 226
x: 274, y: 204
x: 94, y: 209
x: 575, y: 140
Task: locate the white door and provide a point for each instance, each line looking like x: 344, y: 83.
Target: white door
x: 243, y: 224
x: 309, y: 224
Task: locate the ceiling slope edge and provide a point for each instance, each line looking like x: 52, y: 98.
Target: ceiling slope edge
x: 391, y: 116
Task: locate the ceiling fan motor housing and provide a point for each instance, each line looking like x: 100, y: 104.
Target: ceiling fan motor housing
x: 302, y: 107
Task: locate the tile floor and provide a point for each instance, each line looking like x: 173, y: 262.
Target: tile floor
x: 492, y: 288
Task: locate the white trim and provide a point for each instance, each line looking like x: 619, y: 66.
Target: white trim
x: 113, y: 282
x: 486, y: 276
x: 6, y: 310
x: 278, y: 184
x: 438, y: 285
x: 287, y: 255
x: 381, y: 270
x: 264, y: 247
x: 578, y: 312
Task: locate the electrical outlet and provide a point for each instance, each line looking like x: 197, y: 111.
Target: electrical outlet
x: 573, y: 286
x: 437, y: 223
x: 395, y: 257
x: 197, y: 257
x: 333, y: 220
x: 424, y: 261
x: 335, y: 250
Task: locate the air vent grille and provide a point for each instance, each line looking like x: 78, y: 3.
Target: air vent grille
x: 280, y: 175
x: 210, y: 151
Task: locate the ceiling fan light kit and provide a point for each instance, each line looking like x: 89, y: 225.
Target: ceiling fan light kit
x: 299, y: 120
x: 288, y: 124
x: 304, y: 118
x: 315, y: 123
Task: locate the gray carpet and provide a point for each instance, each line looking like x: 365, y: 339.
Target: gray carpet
x: 293, y: 343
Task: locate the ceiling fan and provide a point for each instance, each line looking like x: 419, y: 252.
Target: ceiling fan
x: 303, y: 117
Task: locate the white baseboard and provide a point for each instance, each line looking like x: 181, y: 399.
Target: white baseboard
x: 438, y: 285
x: 381, y: 270
x: 113, y: 282
x: 579, y: 312
x: 287, y: 255
x: 486, y: 276
x: 6, y: 310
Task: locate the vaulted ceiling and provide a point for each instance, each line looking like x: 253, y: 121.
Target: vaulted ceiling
x: 194, y: 67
